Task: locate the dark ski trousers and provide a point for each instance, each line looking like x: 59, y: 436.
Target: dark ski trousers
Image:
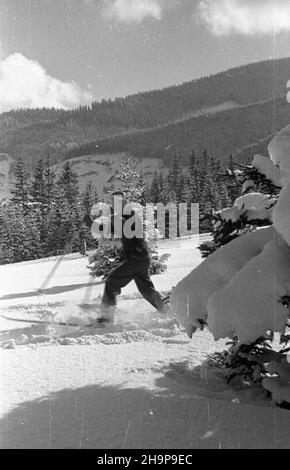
x: 133, y: 268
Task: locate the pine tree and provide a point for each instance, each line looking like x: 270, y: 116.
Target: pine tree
x: 194, y: 184
x: 204, y: 163
x: 191, y: 189
x: 61, y: 229
x: 198, y: 183
x: 209, y: 190
x: 181, y: 190
x: 49, y: 182
x: 64, y: 220
x: 129, y: 178
x: 155, y: 189
x: 142, y: 189
x: 158, y: 191
x: 20, y: 238
x: 162, y: 187
x: 42, y: 192
x: 192, y: 161
x: 38, y: 185
x: 175, y: 179
x: 88, y: 198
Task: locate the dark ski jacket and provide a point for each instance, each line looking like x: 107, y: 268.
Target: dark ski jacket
x: 133, y: 247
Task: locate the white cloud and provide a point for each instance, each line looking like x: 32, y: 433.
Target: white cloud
x: 248, y: 17
x: 130, y: 11
x: 24, y: 83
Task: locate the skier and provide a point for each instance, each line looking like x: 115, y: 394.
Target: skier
x: 135, y: 266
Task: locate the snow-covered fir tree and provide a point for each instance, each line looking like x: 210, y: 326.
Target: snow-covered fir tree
x: 19, y: 234
x: 241, y: 291
x: 249, y: 211
x: 88, y: 198
x: 176, y: 179
x: 39, y: 221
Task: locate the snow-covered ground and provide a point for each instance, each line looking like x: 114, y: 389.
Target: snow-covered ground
x: 138, y: 384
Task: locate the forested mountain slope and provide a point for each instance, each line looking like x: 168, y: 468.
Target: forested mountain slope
x: 223, y: 133
x: 192, y: 106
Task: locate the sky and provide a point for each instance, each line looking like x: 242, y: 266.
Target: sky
x: 63, y: 53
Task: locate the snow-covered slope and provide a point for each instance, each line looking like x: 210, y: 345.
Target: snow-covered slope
x: 99, y: 169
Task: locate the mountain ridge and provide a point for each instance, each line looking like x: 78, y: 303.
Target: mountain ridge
x: 226, y: 113
x: 223, y: 133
